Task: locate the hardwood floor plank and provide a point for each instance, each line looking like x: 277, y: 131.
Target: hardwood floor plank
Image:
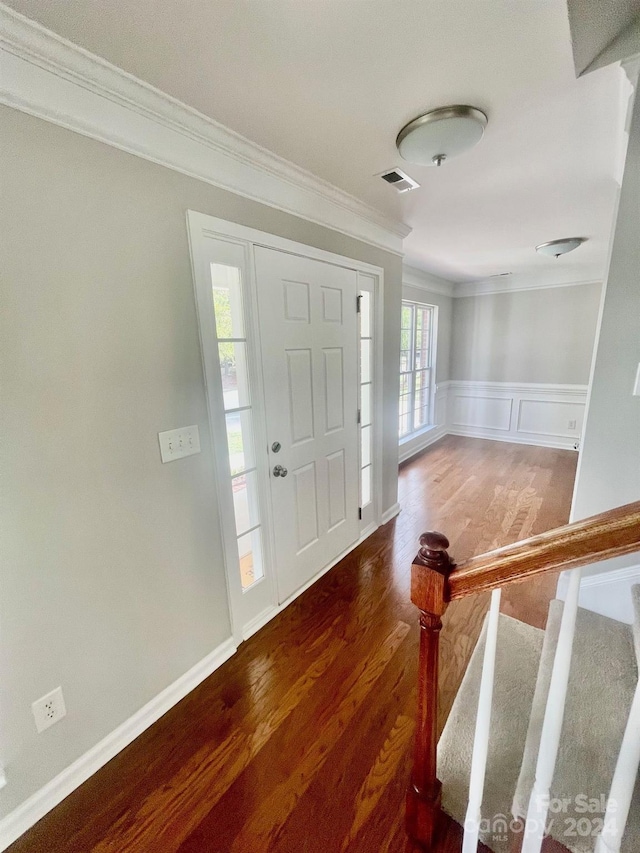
x: 378, y: 778
x: 206, y: 776
x: 260, y: 830
x: 301, y: 743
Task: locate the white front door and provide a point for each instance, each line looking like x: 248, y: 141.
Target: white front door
x: 307, y: 314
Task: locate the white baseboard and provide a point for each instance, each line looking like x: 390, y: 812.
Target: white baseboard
x: 390, y: 513
x: 413, y: 448
x: 537, y: 441
x: 607, y: 593
x: 35, y: 807
x: 253, y: 626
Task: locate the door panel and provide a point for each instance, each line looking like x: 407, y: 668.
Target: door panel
x: 337, y: 497
x: 308, y: 331
x: 334, y: 389
x: 299, y: 371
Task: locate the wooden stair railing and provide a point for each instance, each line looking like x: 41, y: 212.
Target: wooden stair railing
x: 436, y: 580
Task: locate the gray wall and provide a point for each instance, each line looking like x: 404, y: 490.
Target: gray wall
x: 112, y: 576
x: 445, y: 317
x: 544, y: 336
x: 609, y: 467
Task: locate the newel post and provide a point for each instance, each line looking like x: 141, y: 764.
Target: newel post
x: 429, y: 573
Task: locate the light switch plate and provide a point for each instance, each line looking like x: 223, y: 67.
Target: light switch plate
x: 177, y: 443
x: 636, y: 385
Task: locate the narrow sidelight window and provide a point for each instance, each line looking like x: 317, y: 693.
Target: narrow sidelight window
x: 232, y: 354
x: 366, y: 291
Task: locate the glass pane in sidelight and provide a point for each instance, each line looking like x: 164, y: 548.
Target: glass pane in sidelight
x: 365, y: 404
x: 365, y: 314
x: 235, y: 377
x: 365, y: 481
x: 365, y: 442
x: 245, y: 501
x: 240, y: 441
x: 365, y: 361
x: 227, y: 301
x: 250, y: 553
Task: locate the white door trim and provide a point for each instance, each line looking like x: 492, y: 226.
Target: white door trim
x: 201, y: 226
x: 221, y: 228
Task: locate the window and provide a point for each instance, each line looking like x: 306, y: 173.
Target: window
x: 365, y: 298
x: 416, y: 380
x: 232, y: 354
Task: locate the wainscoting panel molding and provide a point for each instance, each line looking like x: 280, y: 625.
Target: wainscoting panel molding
x: 525, y: 413
x: 481, y: 410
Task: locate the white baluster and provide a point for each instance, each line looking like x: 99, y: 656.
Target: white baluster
x: 552, y: 724
x: 483, y: 725
x: 622, y: 784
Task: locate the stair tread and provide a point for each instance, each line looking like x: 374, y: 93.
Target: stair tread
x: 601, y: 685
x: 517, y: 657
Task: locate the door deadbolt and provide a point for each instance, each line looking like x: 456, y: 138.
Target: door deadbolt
x: 279, y: 471
x: 276, y: 446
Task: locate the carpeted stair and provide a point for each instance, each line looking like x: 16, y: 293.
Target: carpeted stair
x: 603, y: 678
x: 517, y: 658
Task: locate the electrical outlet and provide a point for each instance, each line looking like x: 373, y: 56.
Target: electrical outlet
x: 49, y: 709
x: 572, y: 424
x: 176, y: 443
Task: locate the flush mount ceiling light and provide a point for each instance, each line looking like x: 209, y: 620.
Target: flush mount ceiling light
x: 560, y: 247
x: 440, y: 134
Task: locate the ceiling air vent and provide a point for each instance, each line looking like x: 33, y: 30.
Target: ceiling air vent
x: 403, y: 183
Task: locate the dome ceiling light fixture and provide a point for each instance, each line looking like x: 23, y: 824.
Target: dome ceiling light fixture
x: 560, y: 247
x: 441, y: 134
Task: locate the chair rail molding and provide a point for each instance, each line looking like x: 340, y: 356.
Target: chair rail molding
x: 46, y: 76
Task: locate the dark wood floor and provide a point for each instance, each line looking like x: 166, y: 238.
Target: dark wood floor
x: 301, y: 742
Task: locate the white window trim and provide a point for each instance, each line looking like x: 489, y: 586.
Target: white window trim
x: 410, y: 436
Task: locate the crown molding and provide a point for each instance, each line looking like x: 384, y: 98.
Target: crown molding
x: 489, y: 287
x: 49, y: 77
x: 414, y: 277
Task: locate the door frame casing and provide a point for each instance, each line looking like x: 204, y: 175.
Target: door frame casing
x: 200, y: 227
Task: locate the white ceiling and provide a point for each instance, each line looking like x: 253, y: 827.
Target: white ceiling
x: 329, y: 83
